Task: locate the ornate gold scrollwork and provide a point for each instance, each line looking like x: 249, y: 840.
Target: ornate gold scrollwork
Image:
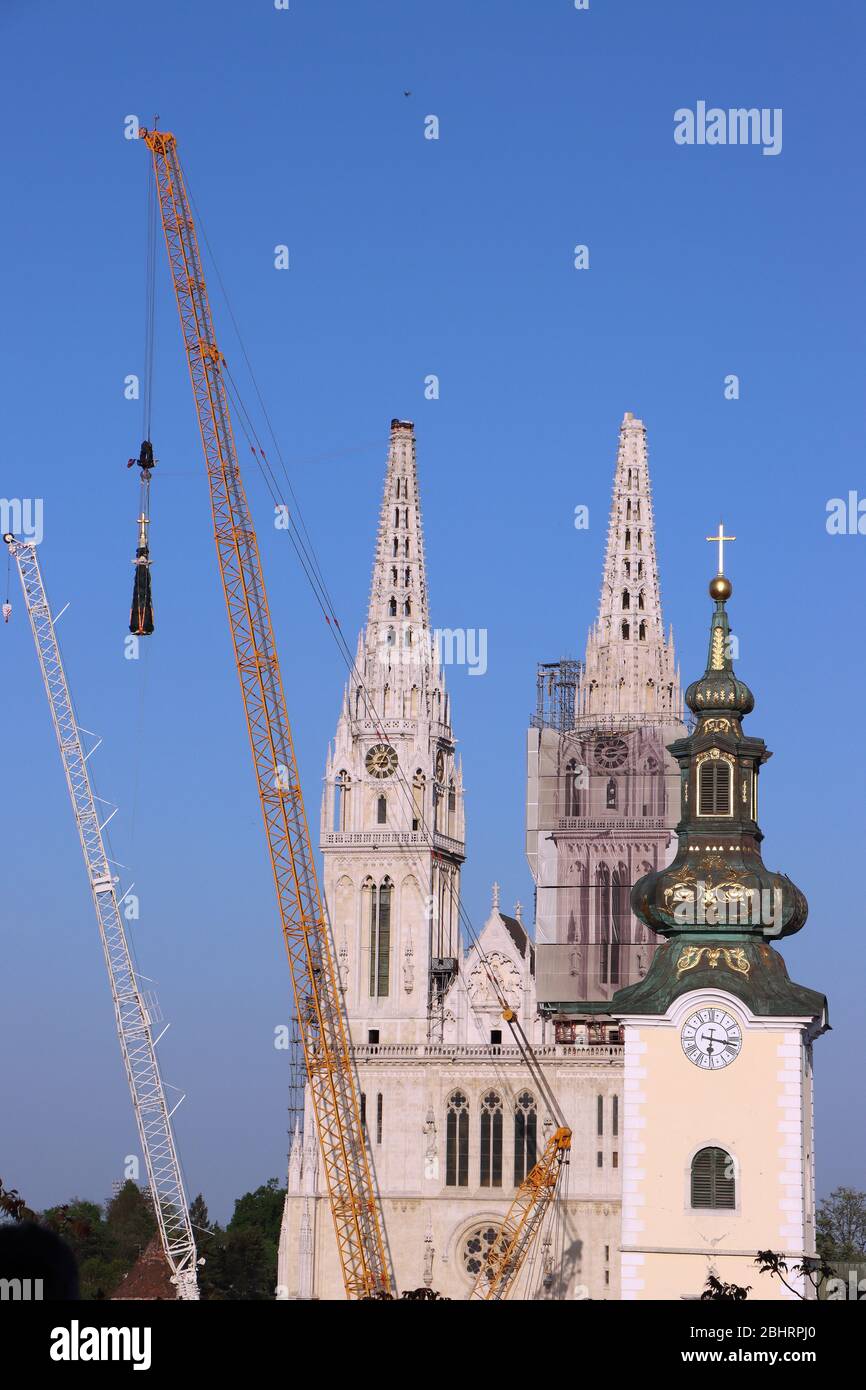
x: 734, y: 957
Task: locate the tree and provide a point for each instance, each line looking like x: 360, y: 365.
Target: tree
x: 130, y: 1223
x: 841, y: 1226
x: 717, y: 1291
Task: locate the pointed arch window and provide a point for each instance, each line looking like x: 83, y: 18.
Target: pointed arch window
x: 715, y: 787
x: 572, y: 788
x: 491, y: 1141
x: 380, y: 937
x: 628, y: 540
x: 640, y: 569
x: 407, y: 577
x: 382, y: 810
x: 405, y: 547
x: 392, y: 607
x: 641, y: 632
x: 396, y: 516
x: 640, y: 599
x: 342, y: 788
x: 628, y: 569
x: 407, y: 608
x: 625, y: 631
x: 611, y: 794
x: 640, y: 540
x: 626, y: 600
x: 406, y: 516
x: 628, y: 510
x: 391, y: 637
x: 457, y: 1141
x: 713, y: 1184
x: 396, y: 545
x: 393, y: 574
x: 525, y: 1136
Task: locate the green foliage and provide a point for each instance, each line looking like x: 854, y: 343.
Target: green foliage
x: 717, y: 1291
x: 841, y: 1226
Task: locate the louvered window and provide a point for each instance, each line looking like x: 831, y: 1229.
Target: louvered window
x: 713, y: 1179
x: 714, y: 788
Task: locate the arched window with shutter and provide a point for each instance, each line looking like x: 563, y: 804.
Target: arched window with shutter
x: 457, y: 1141
x: 713, y: 1183
x: 715, y: 787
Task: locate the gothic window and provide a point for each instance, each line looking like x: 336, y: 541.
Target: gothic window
x: 379, y: 1117
x: 478, y: 1249
x: 637, y: 510
x: 407, y: 577
x: 640, y: 540
x: 572, y: 795
x: 628, y: 569
x: 407, y: 608
x: 599, y: 1115
x: 396, y: 545
x: 405, y: 516
x: 641, y: 632
x: 380, y: 937
x: 713, y: 1182
x: 391, y: 637
x: 640, y: 602
x: 491, y: 1140
x: 715, y: 788
x: 396, y: 516
x: 342, y: 787
x: 525, y: 1136
x: 418, y: 800
x: 611, y: 794
x: 407, y: 637
x: 640, y: 569
x: 628, y: 510
x: 626, y: 600
x: 405, y: 547
x: 393, y: 574
x: 625, y: 631
x: 382, y: 810
x: 457, y: 1141
x: 628, y: 540
x: 392, y: 607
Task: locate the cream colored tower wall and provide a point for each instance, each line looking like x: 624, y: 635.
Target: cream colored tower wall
x: 758, y: 1109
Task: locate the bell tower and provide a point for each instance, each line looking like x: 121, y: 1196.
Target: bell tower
x: 392, y: 827
x: 717, y: 1119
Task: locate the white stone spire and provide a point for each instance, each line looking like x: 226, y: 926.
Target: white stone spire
x: 630, y: 669
x: 398, y: 616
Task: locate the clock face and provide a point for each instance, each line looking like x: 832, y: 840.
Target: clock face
x: 611, y: 753
x: 381, y: 761
x: 711, y: 1038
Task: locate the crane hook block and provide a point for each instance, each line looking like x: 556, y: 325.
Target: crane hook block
x: 145, y: 458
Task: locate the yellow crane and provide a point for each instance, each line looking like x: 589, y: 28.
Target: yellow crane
x: 323, y: 1029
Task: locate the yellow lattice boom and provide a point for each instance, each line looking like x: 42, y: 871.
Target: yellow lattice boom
x: 323, y: 1030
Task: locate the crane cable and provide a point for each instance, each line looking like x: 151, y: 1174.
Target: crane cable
x: 305, y: 550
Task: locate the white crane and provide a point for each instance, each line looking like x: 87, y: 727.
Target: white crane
x: 130, y: 1009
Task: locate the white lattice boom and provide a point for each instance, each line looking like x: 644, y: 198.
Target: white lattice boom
x: 131, y: 1014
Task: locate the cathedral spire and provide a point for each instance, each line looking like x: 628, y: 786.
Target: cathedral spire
x: 398, y: 613
x: 630, y: 669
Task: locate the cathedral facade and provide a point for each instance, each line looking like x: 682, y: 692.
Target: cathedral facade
x: 452, y: 1119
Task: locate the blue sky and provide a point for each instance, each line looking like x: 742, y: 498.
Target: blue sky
x: 411, y: 257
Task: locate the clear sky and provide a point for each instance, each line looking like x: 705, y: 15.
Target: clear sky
x: 411, y: 257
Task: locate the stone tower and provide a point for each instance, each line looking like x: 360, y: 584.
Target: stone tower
x: 601, y: 801
x: 392, y: 831
x: 717, y: 1121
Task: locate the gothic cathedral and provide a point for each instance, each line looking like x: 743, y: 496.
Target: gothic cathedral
x: 657, y: 1193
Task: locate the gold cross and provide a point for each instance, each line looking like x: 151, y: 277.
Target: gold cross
x: 720, y: 540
